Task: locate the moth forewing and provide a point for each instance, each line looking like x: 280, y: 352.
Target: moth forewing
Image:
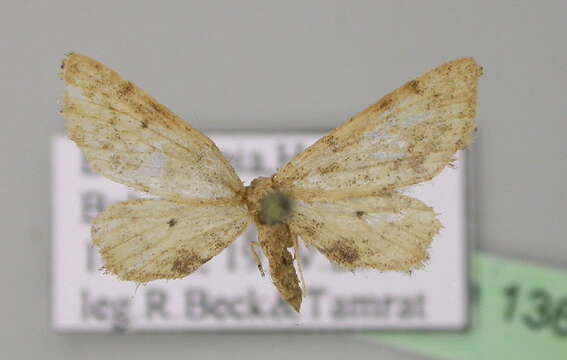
x: 407, y: 137
x: 130, y: 138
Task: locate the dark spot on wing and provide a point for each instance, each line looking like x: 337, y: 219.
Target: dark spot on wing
x: 329, y: 168
x: 360, y: 214
x: 218, y: 245
x: 385, y: 103
x: 186, y: 262
x: 415, y: 86
x: 125, y: 89
x: 332, y: 142
x: 342, y: 254
x: 160, y: 109
x: 144, y: 124
x: 172, y: 223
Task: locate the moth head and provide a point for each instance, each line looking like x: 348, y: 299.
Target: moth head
x: 275, y: 208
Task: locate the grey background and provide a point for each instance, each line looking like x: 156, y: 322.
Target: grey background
x: 292, y: 65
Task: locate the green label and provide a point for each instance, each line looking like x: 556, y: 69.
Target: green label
x: 519, y: 312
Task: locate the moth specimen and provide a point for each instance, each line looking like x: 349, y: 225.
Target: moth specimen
x: 340, y: 196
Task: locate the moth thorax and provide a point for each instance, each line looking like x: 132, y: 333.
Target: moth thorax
x: 267, y: 202
x: 275, y: 208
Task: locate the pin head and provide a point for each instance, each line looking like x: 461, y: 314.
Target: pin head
x: 275, y: 208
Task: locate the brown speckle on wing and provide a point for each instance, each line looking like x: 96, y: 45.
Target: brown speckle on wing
x: 130, y: 138
x: 386, y: 232
x: 407, y: 137
x: 145, y: 240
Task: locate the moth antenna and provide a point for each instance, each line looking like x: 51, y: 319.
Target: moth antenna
x: 138, y: 284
